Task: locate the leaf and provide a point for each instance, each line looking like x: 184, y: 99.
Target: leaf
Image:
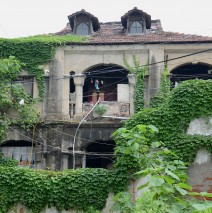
x: 184, y: 186
x: 156, y: 181
x: 155, y: 129
x: 155, y: 144
x: 202, y: 207
x: 206, y: 194
x: 193, y: 193
x: 168, y: 172
x: 182, y: 191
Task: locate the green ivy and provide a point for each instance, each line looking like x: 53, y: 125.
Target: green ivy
x: 8, y: 162
x: 82, y: 189
x: 140, y: 73
x: 11, y: 112
x: 35, y: 51
x: 191, y: 99
x: 164, y: 89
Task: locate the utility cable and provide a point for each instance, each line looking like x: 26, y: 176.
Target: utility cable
x: 77, y: 131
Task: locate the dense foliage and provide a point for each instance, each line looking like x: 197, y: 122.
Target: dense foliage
x: 191, y: 99
x: 164, y: 89
x: 165, y: 184
x: 11, y: 111
x: 7, y: 162
x: 35, y: 51
x: 81, y: 189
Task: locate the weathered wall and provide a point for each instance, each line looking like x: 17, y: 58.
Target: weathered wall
x: 80, y: 58
x: 200, y: 172
x: 54, y: 142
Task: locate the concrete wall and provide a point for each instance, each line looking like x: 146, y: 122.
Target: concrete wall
x: 80, y: 58
x: 200, y: 172
x: 54, y: 142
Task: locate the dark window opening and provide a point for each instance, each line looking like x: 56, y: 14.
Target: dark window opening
x: 100, y: 154
x: 190, y: 71
x: 72, y: 86
x: 22, y: 151
x: 104, y: 79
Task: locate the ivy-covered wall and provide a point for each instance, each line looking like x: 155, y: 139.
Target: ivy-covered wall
x: 191, y: 99
x: 81, y: 189
x: 35, y: 51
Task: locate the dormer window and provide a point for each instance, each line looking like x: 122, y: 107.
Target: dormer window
x: 83, y: 23
x: 136, y: 21
x: 82, y: 28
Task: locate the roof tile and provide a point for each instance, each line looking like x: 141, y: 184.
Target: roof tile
x: 114, y: 33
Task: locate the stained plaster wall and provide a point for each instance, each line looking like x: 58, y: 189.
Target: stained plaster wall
x: 200, y: 172
x: 80, y: 58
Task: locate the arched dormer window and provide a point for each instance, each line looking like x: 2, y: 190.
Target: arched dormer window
x: 136, y: 21
x: 82, y: 28
x: 83, y: 23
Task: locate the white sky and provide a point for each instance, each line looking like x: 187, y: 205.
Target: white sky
x: 20, y: 18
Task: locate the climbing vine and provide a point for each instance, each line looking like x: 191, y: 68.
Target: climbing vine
x: 164, y: 89
x: 82, y: 189
x: 191, y: 99
x: 140, y: 73
x: 35, y: 51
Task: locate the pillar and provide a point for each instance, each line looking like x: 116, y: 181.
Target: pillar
x: 155, y: 70
x: 57, y: 105
x: 79, y: 83
x: 132, y: 81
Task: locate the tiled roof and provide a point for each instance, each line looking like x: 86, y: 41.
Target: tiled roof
x: 114, y: 33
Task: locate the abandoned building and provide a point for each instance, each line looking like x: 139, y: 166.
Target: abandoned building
x: 82, y: 74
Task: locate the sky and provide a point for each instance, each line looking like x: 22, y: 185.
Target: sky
x: 21, y: 18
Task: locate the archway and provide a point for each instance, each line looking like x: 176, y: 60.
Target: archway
x: 19, y: 150
x: 104, y: 79
x: 99, y: 154
x: 191, y: 71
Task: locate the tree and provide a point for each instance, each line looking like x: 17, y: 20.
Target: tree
x: 16, y: 106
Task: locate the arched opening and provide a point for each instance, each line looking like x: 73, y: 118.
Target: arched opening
x: 22, y: 151
x: 104, y: 79
x: 99, y: 154
x: 191, y: 71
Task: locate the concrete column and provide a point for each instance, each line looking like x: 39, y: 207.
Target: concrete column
x: 155, y: 55
x: 56, y: 110
x: 79, y: 83
x: 132, y: 81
